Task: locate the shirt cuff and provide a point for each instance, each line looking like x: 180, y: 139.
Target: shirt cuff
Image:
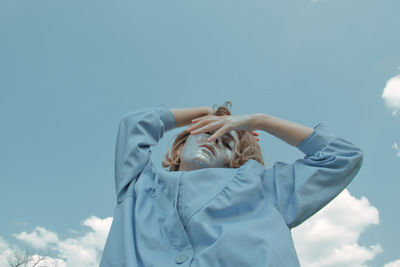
x: 166, y: 116
x: 317, y: 140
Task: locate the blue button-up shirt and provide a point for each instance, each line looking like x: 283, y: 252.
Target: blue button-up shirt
x: 217, y: 216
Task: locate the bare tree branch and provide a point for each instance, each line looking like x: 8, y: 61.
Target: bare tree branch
x: 23, y: 258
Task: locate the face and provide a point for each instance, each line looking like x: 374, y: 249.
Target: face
x: 197, y: 153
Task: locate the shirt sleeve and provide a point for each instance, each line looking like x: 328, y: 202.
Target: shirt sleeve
x: 137, y: 132
x: 302, y: 188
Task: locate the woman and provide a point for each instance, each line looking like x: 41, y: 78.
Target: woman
x: 218, y: 205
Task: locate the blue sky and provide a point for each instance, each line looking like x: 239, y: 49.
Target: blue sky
x: 70, y: 69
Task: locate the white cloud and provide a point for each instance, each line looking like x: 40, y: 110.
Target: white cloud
x: 8, y: 254
x: 84, y: 250
x: 330, y: 237
x: 5, y: 252
x: 3, y: 244
x: 39, y: 238
x: 393, y: 264
x: 395, y: 146
x: 391, y: 94
x: 97, y: 238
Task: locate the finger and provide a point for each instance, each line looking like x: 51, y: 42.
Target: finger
x: 197, y: 125
x: 254, y: 133
x: 210, y: 127
x: 196, y: 128
x: 199, y: 118
x: 217, y: 134
x: 196, y: 120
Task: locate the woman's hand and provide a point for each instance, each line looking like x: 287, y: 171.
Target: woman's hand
x: 219, y: 125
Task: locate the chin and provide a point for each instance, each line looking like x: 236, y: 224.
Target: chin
x: 201, y: 163
x: 198, y: 164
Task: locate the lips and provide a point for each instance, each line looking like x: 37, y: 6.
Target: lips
x: 209, y: 147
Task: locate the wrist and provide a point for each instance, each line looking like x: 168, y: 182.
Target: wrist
x: 262, y: 122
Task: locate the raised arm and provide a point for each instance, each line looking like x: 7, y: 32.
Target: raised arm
x: 184, y: 116
x: 137, y: 132
x: 300, y: 189
x: 289, y: 132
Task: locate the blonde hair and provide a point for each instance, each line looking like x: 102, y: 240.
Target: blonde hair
x: 247, y: 147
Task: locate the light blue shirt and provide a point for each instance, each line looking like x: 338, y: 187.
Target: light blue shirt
x: 215, y: 217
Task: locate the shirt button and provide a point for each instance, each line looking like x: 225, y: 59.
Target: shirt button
x: 181, y: 259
